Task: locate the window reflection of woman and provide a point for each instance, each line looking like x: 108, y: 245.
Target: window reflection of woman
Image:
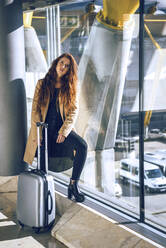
x: 56, y: 102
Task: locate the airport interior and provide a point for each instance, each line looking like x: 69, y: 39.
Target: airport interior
x: 120, y: 49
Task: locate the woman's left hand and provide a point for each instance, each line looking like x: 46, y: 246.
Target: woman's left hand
x: 60, y: 138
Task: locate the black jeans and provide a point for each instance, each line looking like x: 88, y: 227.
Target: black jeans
x: 78, y: 144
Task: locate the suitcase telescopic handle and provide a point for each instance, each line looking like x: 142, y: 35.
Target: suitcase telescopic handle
x: 45, y: 125
x: 41, y: 124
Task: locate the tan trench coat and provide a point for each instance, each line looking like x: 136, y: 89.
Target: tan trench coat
x: 68, y: 122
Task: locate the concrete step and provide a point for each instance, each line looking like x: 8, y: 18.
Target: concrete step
x: 81, y: 227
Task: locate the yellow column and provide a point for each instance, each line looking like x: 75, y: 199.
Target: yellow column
x: 27, y: 19
x: 116, y: 12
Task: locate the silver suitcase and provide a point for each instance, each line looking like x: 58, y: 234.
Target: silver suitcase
x: 36, y: 196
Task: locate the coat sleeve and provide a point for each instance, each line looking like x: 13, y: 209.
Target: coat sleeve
x: 70, y: 118
x: 36, y: 115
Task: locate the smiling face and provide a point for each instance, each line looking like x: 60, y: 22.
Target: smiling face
x: 62, y: 67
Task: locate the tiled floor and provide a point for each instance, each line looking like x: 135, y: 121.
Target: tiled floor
x: 10, y: 229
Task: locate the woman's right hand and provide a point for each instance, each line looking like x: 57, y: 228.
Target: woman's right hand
x: 60, y: 138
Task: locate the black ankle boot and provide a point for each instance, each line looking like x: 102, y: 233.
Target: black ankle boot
x: 74, y: 191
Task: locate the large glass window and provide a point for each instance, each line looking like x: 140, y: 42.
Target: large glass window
x: 155, y: 113
x: 108, y: 119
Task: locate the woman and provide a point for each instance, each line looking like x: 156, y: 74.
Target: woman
x: 56, y: 102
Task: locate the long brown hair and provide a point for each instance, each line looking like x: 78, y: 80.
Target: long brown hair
x: 68, y: 81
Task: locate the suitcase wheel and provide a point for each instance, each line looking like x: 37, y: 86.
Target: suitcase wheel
x: 20, y: 223
x: 36, y: 229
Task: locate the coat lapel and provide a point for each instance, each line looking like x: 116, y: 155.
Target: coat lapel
x: 45, y: 108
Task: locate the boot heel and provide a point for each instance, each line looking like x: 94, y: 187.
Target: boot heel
x: 74, y: 192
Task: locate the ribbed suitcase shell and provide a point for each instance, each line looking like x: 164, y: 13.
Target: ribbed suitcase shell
x: 36, y: 196
x: 32, y: 199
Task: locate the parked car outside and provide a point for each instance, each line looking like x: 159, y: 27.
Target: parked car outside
x: 154, y: 180
x: 158, y: 158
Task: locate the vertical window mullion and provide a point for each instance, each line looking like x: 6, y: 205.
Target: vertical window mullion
x: 141, y: 111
